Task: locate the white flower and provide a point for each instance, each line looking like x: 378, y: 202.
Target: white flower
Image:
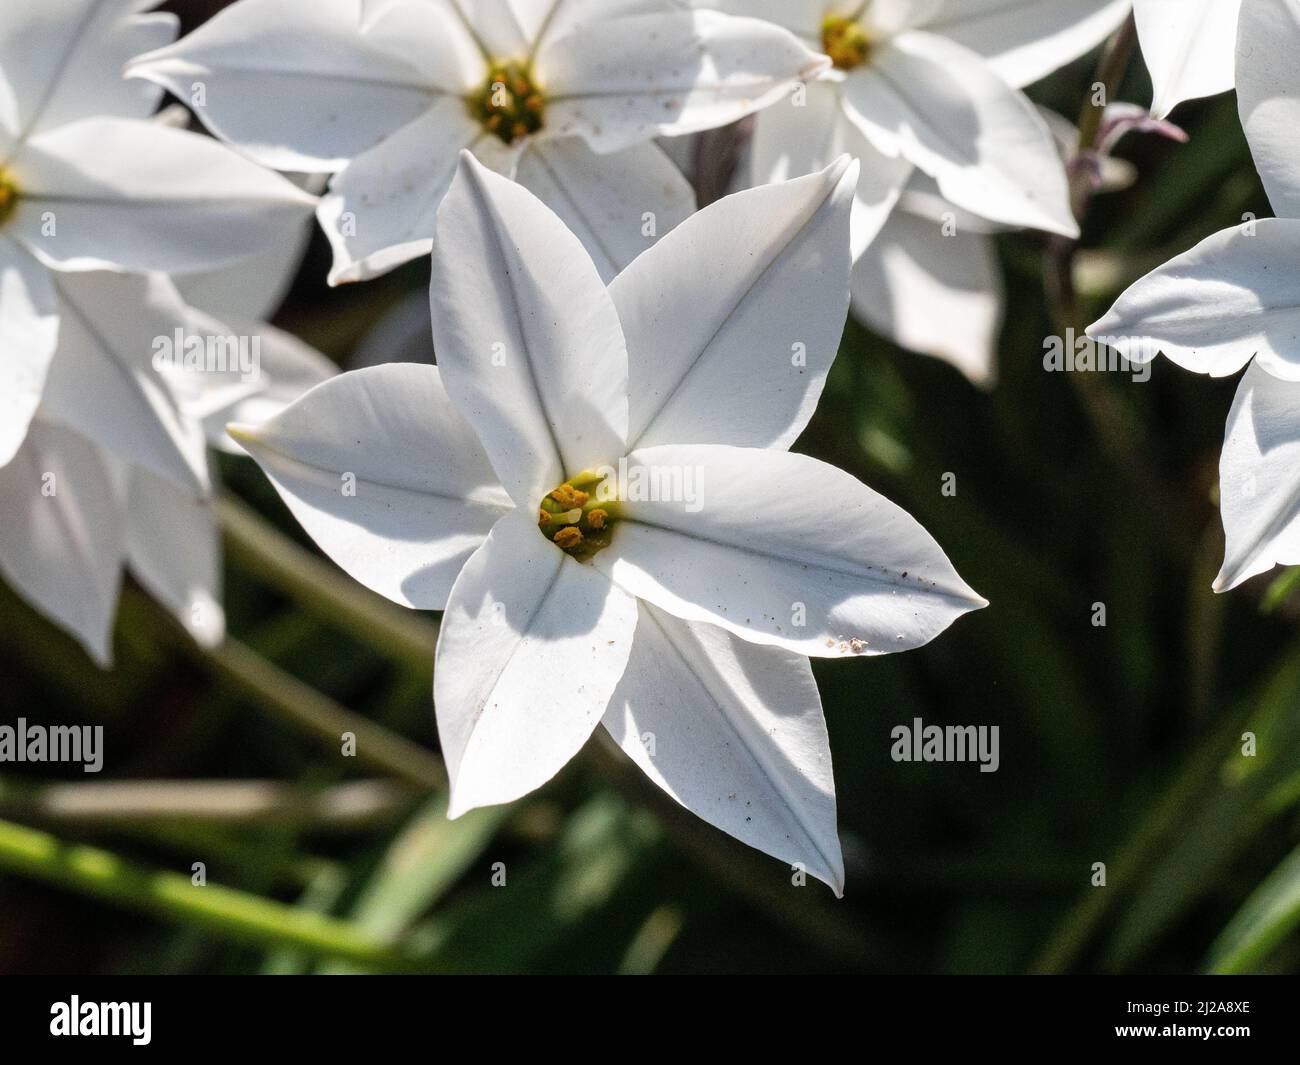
x: 1189, y: 47
x: 1235, y: 299
x: 113, y: 471
x: 930, y: 85
x: 931, y: 280
x: 925, y: 95
x: 109, y: 465
x: 86, y: 183
x: 563, y: 95
x: 480, y: 486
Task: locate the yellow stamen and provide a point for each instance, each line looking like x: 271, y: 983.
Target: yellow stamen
x: 509, y: 105
x: 597, y: 518
x: 8, y: 197
x: 568, y: 496
x: 568, y: 538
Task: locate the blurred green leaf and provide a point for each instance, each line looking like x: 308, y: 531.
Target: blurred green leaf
x: 1270, y: 914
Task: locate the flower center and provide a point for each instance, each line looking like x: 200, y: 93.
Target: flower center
x: 510, y: 104
x: 577, y: 518
x: 8, y: 197
x: 845, y: 41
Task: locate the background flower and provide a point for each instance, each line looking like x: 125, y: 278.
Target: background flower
x: 566, y: 98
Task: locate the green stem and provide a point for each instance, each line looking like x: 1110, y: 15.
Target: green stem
x: 1110, y: 75
x: 299, y: 705
x: 362, y: 804
x: 265, y: 552
x: 227, y: 912
x: 320, y: 717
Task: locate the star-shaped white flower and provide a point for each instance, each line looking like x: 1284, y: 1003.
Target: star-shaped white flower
x: 930, y: 85
x: 566, y: 96
x: 1189, y: 47
x: 87, y: 184
x: 1235, y: 299
x: 510, y: 486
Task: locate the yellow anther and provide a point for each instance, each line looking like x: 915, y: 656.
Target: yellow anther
x: 597, y: 518
x: 543, y: 518
x: 568, y: 538
x: 845, y: 41
x: 568, y: 496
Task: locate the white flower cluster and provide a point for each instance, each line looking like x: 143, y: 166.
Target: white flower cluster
x: 595, y: 482
x: 1234, y: 299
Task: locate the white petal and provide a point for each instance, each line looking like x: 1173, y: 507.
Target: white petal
x: 432, y: 37
x: 922, y: 197
x: 792, y: 139
x: 29, y: 331
x: 380, y: 211
x: 888, y: 18
x: 734, y: 733
x: 945, y: 109
x: 280, y: 368
x: 544, y: 20
x: 733, y: 319
x: 1268, y: 96
x: 385, y: 476
x: 138, y: 195
x: 604, y: 199
x: 103, y: 383
x: 528, y: 339
x: 497, y: 23
x: 781, y: 549
x: 935, y: 292
x: 623, y: 80
x: 802, y: 17
x: 1259, y: 479
x: 255, y: 287
x: 1189, y: 47
x: 1233, y: 296
x: 1025, y: 40
x: 61, y: 535
x: 174, y: 549
x: 62, y: 60
x: 532, y: 647
x: 296, y: 86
